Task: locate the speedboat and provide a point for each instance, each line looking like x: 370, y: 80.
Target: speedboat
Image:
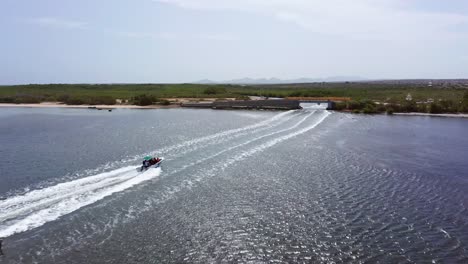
x: 150, y: 163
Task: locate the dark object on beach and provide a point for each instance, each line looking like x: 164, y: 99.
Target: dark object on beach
x: 110, y: 110
x: 1, y: 251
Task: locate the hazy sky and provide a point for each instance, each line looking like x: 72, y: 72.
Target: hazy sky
x: 110, y: 41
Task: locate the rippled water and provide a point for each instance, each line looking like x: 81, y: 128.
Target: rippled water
x: 236, y: 186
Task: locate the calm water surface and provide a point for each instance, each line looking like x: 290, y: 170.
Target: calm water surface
x: 306, y: 186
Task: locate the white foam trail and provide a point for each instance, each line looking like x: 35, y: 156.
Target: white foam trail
x: 25, y: 212
x: 447, y: 235
x: 237, y: 158
x: 224, y: 133
x: 275, y: 141
x: 188, y: 143
x: 243, y: 144
x: 236, y: 135
x: 59, y: 189
x: 33, y: 209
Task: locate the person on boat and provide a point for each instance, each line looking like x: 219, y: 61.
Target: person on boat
x: 147, y: 161
x: 154, y: 161
x: 150, y: 161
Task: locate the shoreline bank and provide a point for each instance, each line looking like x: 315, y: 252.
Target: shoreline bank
x: 107, y: 107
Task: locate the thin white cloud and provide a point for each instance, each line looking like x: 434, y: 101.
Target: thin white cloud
x: 381, y: 19
x: 59, y: 23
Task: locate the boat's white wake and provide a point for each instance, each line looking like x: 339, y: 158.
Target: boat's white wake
x: 276, y: 138
x: 193, y: 144
x: 21, y: 213
x: 35, y: 208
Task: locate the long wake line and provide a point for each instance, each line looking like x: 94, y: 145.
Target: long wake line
x: 33, y: 209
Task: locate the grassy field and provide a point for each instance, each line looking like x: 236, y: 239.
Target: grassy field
x: 107, y: 93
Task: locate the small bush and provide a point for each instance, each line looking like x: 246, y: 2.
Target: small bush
x: 63, y: 98
x: 463, y: 108
x: 380, y: 108
x: 409, y: 106
x: 369, y: 110
x: 340, y: 106
x: 165, y: 102
x: 354, y: 105
x: 422, y: 108
x: 434, y: 108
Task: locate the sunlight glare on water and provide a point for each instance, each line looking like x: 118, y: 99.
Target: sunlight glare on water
x: 296, y: 186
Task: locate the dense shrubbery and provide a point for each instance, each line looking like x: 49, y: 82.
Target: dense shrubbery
x: 144, y: 100
x: 21, y: 99
x: 446, y: 99
x: 369, y: 107
x: 7, y: 100
x: 464, y: 103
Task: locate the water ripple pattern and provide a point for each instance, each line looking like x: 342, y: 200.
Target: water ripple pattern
x: 306, y: 186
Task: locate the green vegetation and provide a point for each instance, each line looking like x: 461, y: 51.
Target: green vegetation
x: 215, y: 90
x: 367, y: 97
x: 371, y: 107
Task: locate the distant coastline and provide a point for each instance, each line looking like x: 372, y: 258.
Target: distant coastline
x: 422, y: 96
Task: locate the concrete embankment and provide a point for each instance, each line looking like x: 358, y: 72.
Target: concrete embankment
x: 254, y: 104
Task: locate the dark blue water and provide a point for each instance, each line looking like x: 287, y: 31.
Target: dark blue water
x: 274, y: 187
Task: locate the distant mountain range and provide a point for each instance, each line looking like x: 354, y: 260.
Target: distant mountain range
x: 281, y: 81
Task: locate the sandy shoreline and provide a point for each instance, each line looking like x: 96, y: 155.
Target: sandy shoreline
x: 59, y: 105
x: 106, y: 107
